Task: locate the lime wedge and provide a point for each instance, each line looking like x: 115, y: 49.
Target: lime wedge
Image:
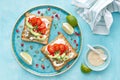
x: 26, y: 57
x: 85, y: 69
x: 72, y: 20
x: 68, y: 28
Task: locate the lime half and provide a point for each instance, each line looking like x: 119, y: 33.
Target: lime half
x: 26, y: 57
x: 85, y: 69
x: 68, y: 28
x: 72, y: 20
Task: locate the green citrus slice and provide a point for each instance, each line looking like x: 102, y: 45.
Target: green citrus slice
x: 72, y: 20
x: 85, y: 69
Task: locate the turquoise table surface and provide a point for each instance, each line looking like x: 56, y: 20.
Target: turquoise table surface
x: 11, y: 10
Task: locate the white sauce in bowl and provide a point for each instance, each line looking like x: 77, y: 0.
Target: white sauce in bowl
x: 94, y: 59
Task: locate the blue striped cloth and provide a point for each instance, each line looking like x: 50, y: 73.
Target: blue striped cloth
x: 97, y: 13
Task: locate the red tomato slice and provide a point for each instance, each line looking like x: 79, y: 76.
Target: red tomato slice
x: 29, y: 20
x: 43, y: 31
x: 39, y: 21
x: 42, y: 26
x: 66, y: 48
x: 51, y: 50
x: 33, y: 21
x: 62, y: 48
x: 56, y: 47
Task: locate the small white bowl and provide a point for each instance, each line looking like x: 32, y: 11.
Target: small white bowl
x: 104, y: 65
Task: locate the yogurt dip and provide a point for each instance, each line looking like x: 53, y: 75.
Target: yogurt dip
x: 94, y: 59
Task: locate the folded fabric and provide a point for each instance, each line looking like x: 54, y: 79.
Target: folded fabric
x: 97, y: 13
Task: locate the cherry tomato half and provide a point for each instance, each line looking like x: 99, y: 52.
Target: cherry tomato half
x: 51, y: 50
x: 62, y: 48
x: 39, y: 22
x: 56, y: 47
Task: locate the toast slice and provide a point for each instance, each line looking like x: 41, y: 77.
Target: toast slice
x: 71, y: 53
x: 28, y: 36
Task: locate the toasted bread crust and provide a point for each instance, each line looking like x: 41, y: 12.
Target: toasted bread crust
x: 61, y: 36
x: 47, y: 34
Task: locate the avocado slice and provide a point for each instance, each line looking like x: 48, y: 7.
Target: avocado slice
x: 60, y: 57
x: 28, y: 24
x: 34, y: 33
x: 41, y: 39
x: 65, y: 58
x: 63, y: 55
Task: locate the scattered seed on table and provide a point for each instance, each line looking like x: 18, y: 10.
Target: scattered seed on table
x: 18, y: 36
x: 38, y: 12
x: 37, y: 65
x: 42, y: 66
x: 36, y: 51
x: 75, y: 41
x: 43, y: 59
x: 76, y: 44
x: 52, y: 16
x: 53, y: 12
x: 59, y: 33
x: 20, y: 26
x: 17, y: 31
x: 31, y: 47
x: 48, y: 9
x: 22, y: 44
x: 77, y: 34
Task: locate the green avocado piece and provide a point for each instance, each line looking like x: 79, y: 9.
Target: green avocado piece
x: 57, y: 55
x: 63, y: 55
x: 28, y: 24
x: 65, y: 58
x: 34, y: 33
x: 59, y: 58
x: 41, y: 39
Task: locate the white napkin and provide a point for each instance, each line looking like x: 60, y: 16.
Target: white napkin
x: 97, y: 13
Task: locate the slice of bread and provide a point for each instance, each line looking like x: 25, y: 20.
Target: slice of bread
x: 29, y: 35
x: 46, y: 53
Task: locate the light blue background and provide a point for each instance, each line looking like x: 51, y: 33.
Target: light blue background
x: 11, y: 10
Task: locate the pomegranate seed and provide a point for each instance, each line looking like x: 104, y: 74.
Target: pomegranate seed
x: 42, y: 66
x: 48, y: 9
x: 38, y: 12
x: 74, y: 41
x: 37, y: 65
x: 76, y: 44
x: 52, y: 16
x: 56, y: 15
x: 17, y: 31
x: 59, y: 33
x: 22, y: 44
x: 77, y: 34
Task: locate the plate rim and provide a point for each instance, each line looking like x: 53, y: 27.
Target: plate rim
x: 32, y: 71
